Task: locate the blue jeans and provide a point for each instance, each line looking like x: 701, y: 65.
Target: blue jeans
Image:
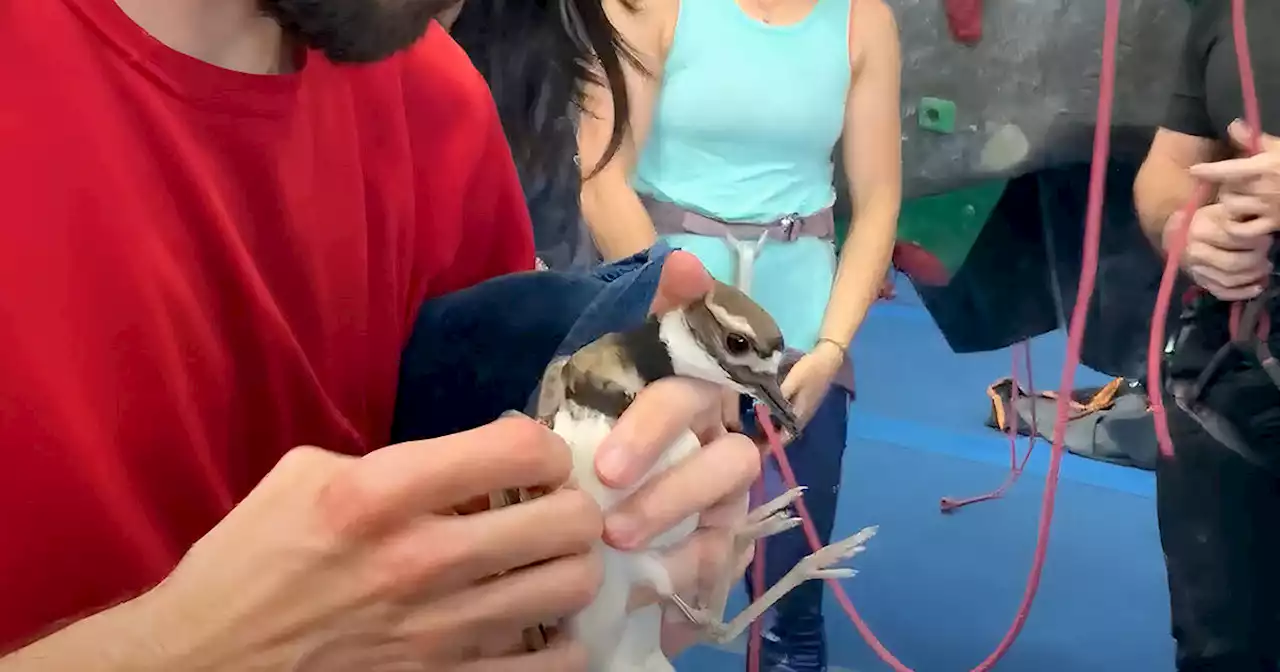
x: 796, y: 640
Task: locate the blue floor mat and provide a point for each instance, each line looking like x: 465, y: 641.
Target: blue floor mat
x: 940, y: 591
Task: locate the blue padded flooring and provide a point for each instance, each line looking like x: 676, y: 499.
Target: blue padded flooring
x: 941, y: 590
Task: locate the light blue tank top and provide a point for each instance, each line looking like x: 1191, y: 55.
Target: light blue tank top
x: 748, y: 114
x: 746, y: 123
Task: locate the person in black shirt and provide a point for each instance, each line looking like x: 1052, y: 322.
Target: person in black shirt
x: 1219, y: 496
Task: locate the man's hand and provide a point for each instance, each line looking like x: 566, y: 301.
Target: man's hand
x: 713, y: 484
x: 731, y: 410
x: 661, y: 413
x: 1226, y: 254
x: 335, y: 563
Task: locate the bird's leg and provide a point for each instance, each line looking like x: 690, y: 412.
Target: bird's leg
x: 763, y: 521
x: 817, y: 565
x: 767, y: 520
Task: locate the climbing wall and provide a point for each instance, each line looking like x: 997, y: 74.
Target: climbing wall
x: 993, y: 89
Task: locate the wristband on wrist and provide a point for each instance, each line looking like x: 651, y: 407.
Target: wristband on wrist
x: 833, y: 342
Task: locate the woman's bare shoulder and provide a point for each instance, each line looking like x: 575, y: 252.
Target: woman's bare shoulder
x: 873, y: 29
x: 647, y: 24
x: 872, y: 15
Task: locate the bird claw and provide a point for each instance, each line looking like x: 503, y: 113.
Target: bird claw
x: 833, y: 573
x: 816, y: 565
x: 775, y: 524
x: 780, y: 504
x: 821, y: 560
x: 771, y: 518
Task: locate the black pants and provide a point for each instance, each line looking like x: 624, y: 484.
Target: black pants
x: 1220, y: 526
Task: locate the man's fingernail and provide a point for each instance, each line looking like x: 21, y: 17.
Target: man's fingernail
x: 612, y: 462
x: 622, y: 529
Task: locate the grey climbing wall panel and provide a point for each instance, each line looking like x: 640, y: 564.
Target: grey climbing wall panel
x: 1025, y: 96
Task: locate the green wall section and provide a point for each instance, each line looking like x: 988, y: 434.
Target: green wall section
x: 946, y: 224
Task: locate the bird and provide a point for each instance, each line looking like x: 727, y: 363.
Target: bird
x: 724, y: 338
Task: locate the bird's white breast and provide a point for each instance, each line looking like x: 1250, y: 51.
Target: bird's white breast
x: 616, y: 643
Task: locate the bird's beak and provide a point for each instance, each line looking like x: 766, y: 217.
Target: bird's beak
x: 771, y: 394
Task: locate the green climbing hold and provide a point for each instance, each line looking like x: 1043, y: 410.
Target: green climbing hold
x: 937, y: 115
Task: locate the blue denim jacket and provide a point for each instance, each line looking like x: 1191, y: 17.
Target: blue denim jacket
x: 479, y: 352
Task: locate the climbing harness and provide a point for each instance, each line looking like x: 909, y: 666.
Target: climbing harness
x: 1248, y: 338
x: 1248, y: 345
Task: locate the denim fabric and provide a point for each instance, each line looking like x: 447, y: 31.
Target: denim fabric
x: 796, y: 639
x: 479, y: 352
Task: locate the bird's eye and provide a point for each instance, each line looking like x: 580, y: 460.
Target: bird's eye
x: 736, y: 344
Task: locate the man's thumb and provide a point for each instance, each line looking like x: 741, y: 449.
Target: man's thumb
x: 683, y: 281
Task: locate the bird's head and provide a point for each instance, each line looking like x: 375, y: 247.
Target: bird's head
x: 728, y: 339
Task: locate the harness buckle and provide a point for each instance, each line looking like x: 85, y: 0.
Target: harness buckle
x: 789, y: 224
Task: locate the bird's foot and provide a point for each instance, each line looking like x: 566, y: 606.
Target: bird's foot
x: 772, y: 518
x: 817, y: 565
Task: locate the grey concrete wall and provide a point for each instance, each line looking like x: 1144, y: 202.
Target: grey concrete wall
x: 1026, y: 95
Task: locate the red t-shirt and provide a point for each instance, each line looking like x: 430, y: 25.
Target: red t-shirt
x: 200, y: 269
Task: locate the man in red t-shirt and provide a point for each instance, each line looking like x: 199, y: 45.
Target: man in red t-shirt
x: 214, y: 237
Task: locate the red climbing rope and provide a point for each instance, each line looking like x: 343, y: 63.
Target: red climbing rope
x: 1075, y: 339
x: 951, y: 504
x: 1177, y: 246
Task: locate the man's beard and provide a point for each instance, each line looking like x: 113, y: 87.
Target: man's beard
x: 355, y: 31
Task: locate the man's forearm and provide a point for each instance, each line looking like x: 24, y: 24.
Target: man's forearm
x: 127, y: 638
x: 617, y: 219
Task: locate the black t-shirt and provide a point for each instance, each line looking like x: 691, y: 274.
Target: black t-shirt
x: 1207, y: 97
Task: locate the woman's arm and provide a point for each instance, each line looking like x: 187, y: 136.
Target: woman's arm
x: 614, y: 214
x: 873, y: 160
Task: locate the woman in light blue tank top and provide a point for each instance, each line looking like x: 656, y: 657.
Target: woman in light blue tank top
x: 736, y: 108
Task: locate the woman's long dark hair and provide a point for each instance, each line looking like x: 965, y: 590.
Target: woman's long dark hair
x: 538, y: 56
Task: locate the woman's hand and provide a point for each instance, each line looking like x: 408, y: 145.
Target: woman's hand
x: 808, y: 381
